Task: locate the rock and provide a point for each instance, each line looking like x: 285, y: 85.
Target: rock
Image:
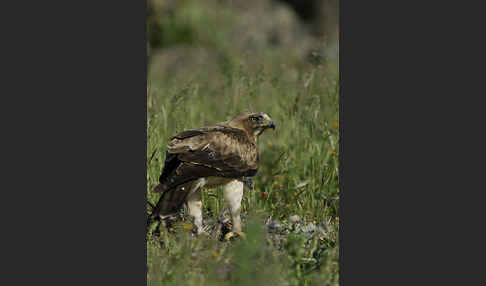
x: 274, y: 225
x: 310, y: 227
x: 294, y: 218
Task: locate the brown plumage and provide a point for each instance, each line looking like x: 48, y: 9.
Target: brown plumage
x: 218, y: 154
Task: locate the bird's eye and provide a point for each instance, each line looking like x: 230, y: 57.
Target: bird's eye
x: 253, y: 118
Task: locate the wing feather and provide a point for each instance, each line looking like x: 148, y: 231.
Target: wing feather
x: 225, y: 149
x: 208, y: 151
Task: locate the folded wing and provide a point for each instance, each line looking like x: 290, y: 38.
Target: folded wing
x: 219, y: 151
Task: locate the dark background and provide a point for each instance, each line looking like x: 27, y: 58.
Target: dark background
x: 74, y: 147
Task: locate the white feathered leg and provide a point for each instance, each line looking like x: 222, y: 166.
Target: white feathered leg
x: 233, y: 193
x: 194, y: 203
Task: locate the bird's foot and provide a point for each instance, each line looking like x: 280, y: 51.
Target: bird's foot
x: 234, y: 234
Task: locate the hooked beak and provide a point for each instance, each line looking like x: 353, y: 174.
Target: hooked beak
x: 271, y: 124
x: 267, y: 122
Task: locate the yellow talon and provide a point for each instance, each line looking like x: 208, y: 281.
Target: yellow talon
x: 231, y: 235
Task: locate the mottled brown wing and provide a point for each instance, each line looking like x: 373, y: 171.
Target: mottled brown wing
x: 209, y: 151
x: 226, y: 149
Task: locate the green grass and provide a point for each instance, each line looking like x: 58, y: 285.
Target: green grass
x: 304, y: 148
x: 302, y: 99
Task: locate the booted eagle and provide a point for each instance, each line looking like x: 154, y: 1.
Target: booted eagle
x: 221, y: 155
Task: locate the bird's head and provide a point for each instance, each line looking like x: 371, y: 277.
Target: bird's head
x: 253, y: 122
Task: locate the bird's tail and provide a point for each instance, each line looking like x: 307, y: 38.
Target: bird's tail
x: 155, y: 209
x: 170, y: 202
x: 153, y: 215
x: 160, y: 188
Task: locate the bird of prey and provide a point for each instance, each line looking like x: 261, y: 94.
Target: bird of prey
x: 225, y: 154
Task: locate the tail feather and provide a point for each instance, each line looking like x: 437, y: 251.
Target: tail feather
x: 171, y: 200
x: 160, y: 188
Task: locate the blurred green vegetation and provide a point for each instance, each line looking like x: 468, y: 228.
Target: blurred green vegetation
x: 210, y: 60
